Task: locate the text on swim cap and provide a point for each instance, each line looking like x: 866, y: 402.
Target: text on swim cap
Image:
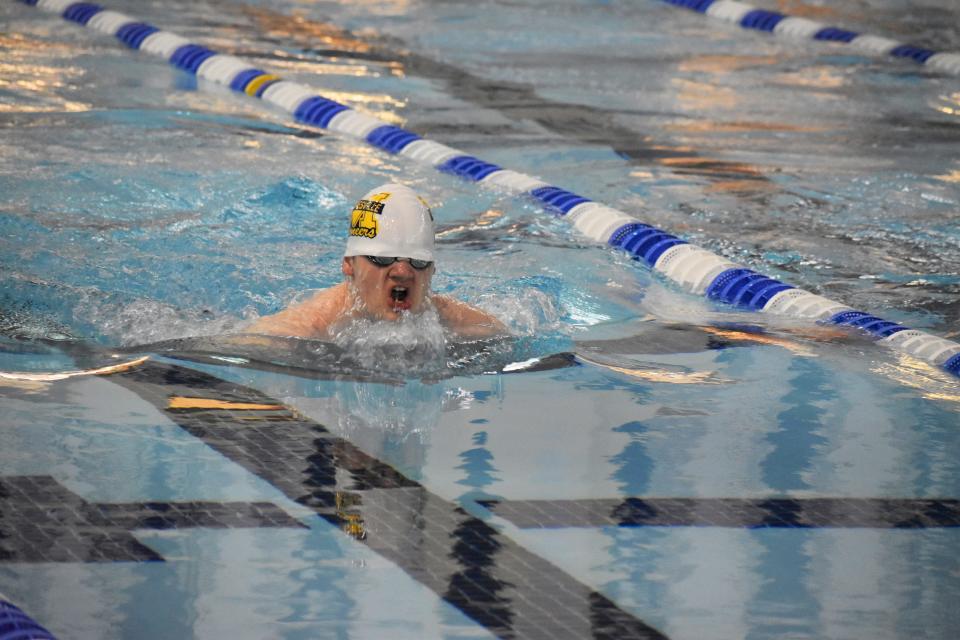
x: 363, y: 219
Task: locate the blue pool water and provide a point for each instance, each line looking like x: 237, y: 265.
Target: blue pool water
x: 801, y: 484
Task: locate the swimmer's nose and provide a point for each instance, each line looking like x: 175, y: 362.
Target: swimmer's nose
x: 401, y: 270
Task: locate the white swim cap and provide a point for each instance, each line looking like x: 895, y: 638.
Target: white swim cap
x: 392, y: 221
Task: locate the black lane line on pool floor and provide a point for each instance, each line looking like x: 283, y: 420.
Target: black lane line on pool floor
x: 791, y: 513
x: 43, y: 521
x: 502, y: 586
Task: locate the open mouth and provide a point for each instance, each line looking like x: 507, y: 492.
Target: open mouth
x: 399, y: 294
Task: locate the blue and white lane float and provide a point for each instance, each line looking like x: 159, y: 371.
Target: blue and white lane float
x: 695, y: 269
x: 750, y: 17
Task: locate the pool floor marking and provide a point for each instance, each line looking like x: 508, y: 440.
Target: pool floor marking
x: 750, y: 513
x: 464, y: 560
x: 43, y: 521
x: 502, y: 586
x: 695, y: 269
x: 183, y: 402
x: 750, y: 17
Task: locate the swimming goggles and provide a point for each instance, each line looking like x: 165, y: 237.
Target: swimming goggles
x: 386, y: 261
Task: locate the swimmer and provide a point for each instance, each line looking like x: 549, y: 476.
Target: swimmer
x: 387, y: 266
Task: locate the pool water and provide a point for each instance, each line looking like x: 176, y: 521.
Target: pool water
x: 691, y: 471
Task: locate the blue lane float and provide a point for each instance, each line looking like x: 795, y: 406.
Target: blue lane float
x: 135, y: 33
x: 468, y: 167
x: 17, y: 625
x: 693, y: 268
x: 391, y: 138
x: 749, y: 17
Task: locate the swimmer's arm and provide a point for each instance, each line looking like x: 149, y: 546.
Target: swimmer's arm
x: 308, y: 319
x: 468, y: 321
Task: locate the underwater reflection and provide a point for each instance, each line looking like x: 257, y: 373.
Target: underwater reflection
x: 391, y: 412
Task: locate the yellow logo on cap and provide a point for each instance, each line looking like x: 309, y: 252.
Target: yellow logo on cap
x: 363, y: 219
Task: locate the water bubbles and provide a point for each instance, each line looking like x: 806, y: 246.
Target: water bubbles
x: 414, y: 343
x: 143, y: 321
x: 529, y: 311
x: 22, y: 322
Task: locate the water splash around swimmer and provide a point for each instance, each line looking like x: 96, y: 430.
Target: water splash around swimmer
x: 412, y: 345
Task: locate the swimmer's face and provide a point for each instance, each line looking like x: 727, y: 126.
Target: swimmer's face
x: 388, y: 291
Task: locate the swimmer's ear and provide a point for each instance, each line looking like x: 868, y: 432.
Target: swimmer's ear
x: 347, y: 267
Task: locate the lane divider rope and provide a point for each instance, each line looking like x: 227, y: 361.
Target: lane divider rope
x: 693, y: 268
x: 750, y: 17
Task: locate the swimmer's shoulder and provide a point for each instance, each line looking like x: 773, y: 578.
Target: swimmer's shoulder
x: 310, y: 318
x: 334, y: 297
